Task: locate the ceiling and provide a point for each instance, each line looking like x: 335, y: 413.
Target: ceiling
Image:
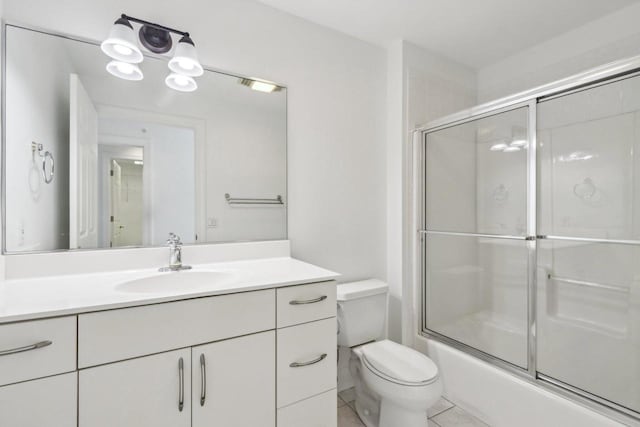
x: 472, y: 32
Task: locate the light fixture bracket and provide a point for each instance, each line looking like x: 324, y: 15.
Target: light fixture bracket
x: 155, y: 37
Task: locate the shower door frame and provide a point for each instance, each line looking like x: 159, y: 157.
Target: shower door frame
x: 605, y: 74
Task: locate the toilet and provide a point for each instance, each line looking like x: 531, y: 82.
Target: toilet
x: 394, y: 384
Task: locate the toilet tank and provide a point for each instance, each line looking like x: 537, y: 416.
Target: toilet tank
x: 362, y: 311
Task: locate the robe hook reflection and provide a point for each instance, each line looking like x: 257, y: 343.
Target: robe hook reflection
x: 46, y: 158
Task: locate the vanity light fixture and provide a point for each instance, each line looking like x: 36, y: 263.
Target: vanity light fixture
x: 122, y: 46
x: 260, y: 86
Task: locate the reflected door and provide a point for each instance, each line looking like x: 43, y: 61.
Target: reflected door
x: 83, y: 168
x: 588, y: 287
x: 476, y: 250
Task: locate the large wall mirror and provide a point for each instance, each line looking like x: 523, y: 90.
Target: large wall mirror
x: 95, y: 161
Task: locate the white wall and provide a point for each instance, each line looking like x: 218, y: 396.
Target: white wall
x: 609, y: 38
x: 336, y: 110
x: 39, y: 218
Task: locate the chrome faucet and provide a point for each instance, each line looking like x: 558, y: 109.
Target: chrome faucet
x: 175, y: 254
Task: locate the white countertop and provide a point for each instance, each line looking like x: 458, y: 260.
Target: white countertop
x: 25, y: 299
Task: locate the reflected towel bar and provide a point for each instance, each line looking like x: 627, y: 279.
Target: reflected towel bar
x: 588, y: 284
x: 253, y: 201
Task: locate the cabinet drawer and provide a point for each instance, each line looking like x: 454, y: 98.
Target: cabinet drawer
x: 131, y: 332
x: 305, y: 303
x: 306, y: 360
x: 37, y: 349
x: 47, y: 402
x: 316, y: 411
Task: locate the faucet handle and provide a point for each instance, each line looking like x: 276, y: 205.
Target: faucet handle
x: 174, y: 240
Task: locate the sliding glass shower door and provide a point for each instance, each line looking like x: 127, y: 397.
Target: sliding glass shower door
x: 477, y: 255
x: 589, y: 260
x: 530, y: 240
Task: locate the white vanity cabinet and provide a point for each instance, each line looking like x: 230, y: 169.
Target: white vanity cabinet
x: 234, y: 382
x: 260, y: 358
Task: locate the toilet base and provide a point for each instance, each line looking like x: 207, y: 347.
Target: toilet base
x: 392, y: 415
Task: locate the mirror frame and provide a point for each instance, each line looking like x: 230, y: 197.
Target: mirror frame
x: 3, y: 106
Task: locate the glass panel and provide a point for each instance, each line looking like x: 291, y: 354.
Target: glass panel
x: 476, y: 176
x: 589, y: 143
x: 476, y: 293
x: 589, y: 318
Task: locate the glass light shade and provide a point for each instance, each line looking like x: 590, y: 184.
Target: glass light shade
x: 185, y: 60
x: 121, y: 44
x: 125, y: 70
x: 181, y: 83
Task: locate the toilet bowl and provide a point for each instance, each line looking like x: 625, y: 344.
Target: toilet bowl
x: 395, y: 384
x: 402, y: 381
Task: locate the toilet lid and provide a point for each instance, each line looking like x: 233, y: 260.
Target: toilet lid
x: 399, y: 363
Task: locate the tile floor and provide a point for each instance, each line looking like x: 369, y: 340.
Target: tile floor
x: 442, y: 414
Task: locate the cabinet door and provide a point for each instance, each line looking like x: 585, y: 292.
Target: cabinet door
x: 234, y: 382
x: 46, y: 402
x: 152, y: 391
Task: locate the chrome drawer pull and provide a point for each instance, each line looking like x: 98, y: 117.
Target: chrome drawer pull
x: 26, y: 348
x: 310, y: 362
x: 181, y: 384
x: 203, y: 375
x: 308, y: 301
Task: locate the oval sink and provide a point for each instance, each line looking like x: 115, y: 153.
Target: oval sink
x: 188, y: 280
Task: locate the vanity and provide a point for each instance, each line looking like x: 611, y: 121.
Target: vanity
x: 245, y: 343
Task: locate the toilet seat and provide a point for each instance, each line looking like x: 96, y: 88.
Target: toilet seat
x: 399, y: 364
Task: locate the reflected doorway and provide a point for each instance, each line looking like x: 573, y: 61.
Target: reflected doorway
x: 122, y: 204
x: 127, y: 205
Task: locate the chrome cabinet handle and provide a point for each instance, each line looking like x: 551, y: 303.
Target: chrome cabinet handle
x: 181, y: 384
x: 26, y: 348
x: 310, y: 362
x: 203, y: 375
x: 308, y: 301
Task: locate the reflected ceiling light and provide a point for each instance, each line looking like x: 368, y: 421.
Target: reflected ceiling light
x: 576, y: 156
x: 260, y: 86
x: 511, y: 149
x: 124, y: 70
x: 185, y: 60
x: 181, y: 83
x: 121, y: 43
x: 138, y: 162
x: 122, y: 46
x: 519, y: 143
x: 498, y: 147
